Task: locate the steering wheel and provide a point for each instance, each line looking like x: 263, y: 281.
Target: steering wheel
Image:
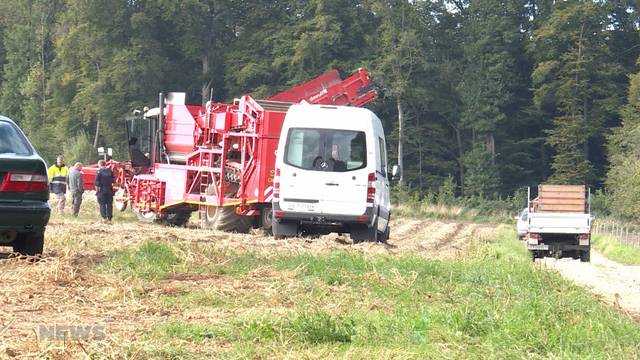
x: 315, y: 161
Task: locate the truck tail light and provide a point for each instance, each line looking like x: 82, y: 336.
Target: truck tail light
x: 371, y: 189
x: 534, y: 238
x: 276, y: 184
x: 278, y: 213
x: 583, y: 239
x: 21, y: 182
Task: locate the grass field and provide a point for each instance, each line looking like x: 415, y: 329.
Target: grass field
x: 616, y: 250
x: 493, y: 304
x: 452, y: 212
x: 199, y: 294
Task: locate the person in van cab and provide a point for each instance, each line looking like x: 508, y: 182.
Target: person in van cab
x: 336, y: 164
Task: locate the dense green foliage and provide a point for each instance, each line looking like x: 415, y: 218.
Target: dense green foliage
x: 496, y: 95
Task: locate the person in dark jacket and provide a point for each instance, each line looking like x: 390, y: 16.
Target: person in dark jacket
x: 104, y: 190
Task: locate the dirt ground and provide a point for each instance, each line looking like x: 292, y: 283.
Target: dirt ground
x: 66, y: 287
x: 617, y: 284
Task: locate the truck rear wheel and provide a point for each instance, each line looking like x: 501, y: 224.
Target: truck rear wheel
x: 585, y: 256
x: 224, y: 218
x: 29, y: 244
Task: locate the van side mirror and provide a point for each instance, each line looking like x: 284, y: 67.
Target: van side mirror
x: 395, y: 173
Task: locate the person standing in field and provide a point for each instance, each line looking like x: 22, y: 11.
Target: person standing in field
x: 58, y: 176
x: 75, y: 187
x: 104, y: 190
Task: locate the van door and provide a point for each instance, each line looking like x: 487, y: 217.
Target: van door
x: 300, y: 187
x: 346, y: 175
x: 382, y: 185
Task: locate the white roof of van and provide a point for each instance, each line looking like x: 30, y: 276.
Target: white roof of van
x: 325, y: 108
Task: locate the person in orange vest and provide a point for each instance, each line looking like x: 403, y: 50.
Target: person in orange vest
x: 58, y: 179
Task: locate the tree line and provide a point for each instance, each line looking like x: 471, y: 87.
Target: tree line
x: 489, y: 95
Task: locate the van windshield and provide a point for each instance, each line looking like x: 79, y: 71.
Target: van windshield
x: 326, y: 149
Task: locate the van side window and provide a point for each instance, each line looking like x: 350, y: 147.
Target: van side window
x: 383, y: 158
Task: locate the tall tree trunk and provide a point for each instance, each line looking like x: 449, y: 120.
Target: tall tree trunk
x: 400, y: 121
x: 586, y: 125
x: 95, y: 139
x: 460, y: 157
x: 43, y: 63
x: 420, y: 165
x: 543, y: 161
x: 208, y: 55
x: 491, y: 147
x: 206, y: 85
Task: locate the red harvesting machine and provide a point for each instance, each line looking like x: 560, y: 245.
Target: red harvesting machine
x: 216, y: 159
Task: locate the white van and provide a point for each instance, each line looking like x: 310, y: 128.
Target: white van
x: 332, y: 174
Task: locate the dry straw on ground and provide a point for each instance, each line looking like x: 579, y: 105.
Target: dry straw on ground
x: 67, y: 287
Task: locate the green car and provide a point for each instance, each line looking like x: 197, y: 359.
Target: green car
x: 24, y: 192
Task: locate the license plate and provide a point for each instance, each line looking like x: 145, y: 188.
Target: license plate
x: 301, y: 207
x: 539, y: 247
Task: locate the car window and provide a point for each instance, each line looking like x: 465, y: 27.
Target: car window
x: 12, y: 141
x: 525, y: 215
x: 326, y: 149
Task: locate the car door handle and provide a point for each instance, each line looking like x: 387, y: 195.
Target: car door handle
x: 331, y: 184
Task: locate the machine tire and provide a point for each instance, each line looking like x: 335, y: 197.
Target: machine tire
x: 585, y: 256
x: 178, y: 218
x: 224, y: 218
x: 30, y: 244
x: 267, y: 220
x: 533, y: 255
